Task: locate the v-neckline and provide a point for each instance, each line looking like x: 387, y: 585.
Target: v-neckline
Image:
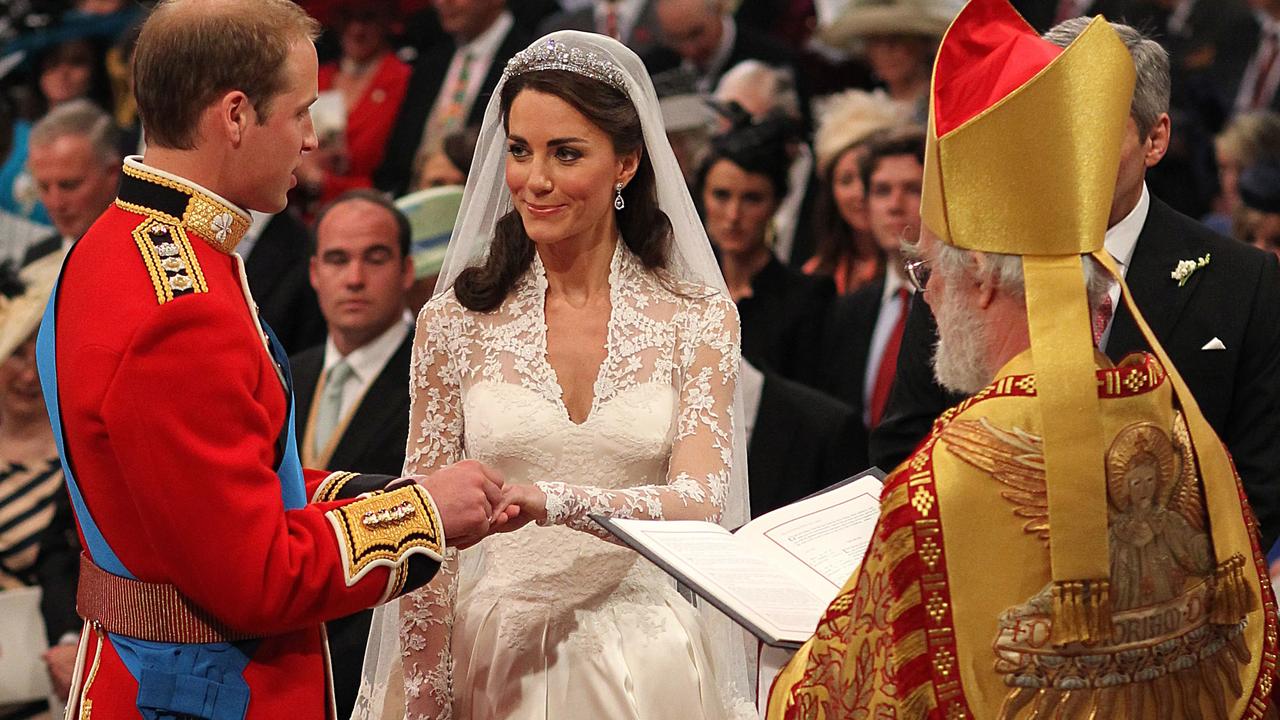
x: 544, y: 356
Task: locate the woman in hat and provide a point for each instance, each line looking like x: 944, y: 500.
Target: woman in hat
x: 845, y: 249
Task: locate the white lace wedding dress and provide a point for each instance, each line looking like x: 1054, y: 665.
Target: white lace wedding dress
x: 556, y: 621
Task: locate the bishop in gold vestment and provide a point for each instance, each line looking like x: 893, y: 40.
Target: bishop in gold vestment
x: 1072, y: 541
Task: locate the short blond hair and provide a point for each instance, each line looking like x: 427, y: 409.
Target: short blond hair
x: 191, y: 52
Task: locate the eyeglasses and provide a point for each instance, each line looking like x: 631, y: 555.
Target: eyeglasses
x: 918, y: 272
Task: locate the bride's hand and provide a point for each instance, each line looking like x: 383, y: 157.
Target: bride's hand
x: 530, y: 502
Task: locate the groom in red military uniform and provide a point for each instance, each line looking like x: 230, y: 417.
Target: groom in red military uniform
x: 212, y: 556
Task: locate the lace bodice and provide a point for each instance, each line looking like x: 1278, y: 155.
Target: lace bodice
x: 656, y: 444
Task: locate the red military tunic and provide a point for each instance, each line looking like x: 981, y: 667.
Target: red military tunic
x: 173, y: 410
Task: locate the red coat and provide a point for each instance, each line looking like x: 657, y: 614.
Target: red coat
x: 172, y: 408
x: 369, y: 124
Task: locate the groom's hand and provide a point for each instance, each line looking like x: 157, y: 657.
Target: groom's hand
x: 466, y: 494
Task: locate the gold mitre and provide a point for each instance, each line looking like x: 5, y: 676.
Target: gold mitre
x: 1022, y: 157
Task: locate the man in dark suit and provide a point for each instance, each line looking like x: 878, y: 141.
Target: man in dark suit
x: 1219, y: 324
x: 858, y: 356
x: 352, y: 392
x: 799, y: 440
x: 73, y: 159
x: 451, y: 84
x: 703, y: 36
x: 634, y: 23
x: 275, y: 252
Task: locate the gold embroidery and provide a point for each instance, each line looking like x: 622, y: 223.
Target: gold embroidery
x: 170, y: 261
x: 922, y: 501
x: 218, y: 224
x: 385, y: 529
x: 1162, y: 582
x: 332, y: 486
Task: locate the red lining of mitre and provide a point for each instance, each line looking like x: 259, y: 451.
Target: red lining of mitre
x: 989, y: 52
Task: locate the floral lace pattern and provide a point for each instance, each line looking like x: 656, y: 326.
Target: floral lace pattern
x: 656, y: 444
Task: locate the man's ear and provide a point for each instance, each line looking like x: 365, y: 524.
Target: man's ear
x: 1157, y: 142
x: 986, y: 282
x: 233, y: 113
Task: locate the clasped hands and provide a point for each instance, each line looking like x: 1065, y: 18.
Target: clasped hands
x: 474, y: 501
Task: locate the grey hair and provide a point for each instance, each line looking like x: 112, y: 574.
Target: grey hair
x: 1006, y: 272
x: 79, y: 118
x: 1151, y: 91
x: 777, y: 84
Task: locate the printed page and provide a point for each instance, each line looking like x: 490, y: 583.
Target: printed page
x: 820, y: 539
x: 724, y: 570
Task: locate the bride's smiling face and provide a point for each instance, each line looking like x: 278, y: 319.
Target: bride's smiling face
x: 561, y: 169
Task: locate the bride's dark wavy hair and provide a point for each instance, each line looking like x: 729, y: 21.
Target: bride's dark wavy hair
x: 645, y: 228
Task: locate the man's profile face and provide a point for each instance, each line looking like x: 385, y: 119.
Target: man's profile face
x: 75, y: 183
x: 893, y: 201
x: 271, y: 147
x: 358, y: 271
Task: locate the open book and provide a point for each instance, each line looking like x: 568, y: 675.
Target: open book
x: 775, y: 575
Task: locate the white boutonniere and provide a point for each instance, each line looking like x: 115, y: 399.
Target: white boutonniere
x: 1186, y: 267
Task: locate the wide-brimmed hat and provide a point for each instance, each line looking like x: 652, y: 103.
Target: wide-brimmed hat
x: 864, y: 18
x: 848, y: 118
x: 20, y: 315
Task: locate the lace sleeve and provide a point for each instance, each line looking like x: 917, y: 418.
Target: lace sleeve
x: 435, y: 440
x: 707, y: 357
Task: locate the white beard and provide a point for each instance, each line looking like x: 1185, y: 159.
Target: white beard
x: 960, y: 357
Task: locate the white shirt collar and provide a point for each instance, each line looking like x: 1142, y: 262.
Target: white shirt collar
x: 893, y: 282
x: 1122, y: 237
x: 368, y: 359
x: 486, y: 43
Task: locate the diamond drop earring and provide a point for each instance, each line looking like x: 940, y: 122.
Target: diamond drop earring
x: 618, y: 202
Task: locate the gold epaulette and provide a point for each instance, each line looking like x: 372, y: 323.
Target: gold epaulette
x: 168, y: 255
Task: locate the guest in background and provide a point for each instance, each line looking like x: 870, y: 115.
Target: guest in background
x: 845, y: 248
x: 30, y: 472
x: 72, y: 69
x: 634, y: 23
x: 1248, y: 138
x: 1259, y: 223
x: 275, y: 251
x: 898, y: 38
x: 764, y: 91
x: 73, y: 158
x: 738, y: 190
x: 1256, y: 87
x: 703, y: 37
x: 371, y: 82
x: 450, y: 85
x: 451, y: 163
x: 352, y: 399
x: 859, y: 356
x: 687, y: 117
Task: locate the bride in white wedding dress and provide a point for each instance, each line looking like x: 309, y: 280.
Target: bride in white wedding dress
x: 582, y: 342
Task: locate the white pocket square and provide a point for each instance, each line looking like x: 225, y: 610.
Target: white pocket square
x: 1214, y: 344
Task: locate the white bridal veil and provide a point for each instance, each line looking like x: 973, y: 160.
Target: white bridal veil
x: 487, y: 199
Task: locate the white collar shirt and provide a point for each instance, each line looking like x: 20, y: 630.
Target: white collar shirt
x: 1119, y: 242
x: 366, y: 361
x: 482, y: 49
x: 890, y: 310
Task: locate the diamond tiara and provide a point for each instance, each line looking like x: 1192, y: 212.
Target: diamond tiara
x: 554, y: 55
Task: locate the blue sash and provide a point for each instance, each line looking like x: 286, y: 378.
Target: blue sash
x: 174, y: 680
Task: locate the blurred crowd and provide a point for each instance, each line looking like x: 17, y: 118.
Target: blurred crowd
x: 799, y: 125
